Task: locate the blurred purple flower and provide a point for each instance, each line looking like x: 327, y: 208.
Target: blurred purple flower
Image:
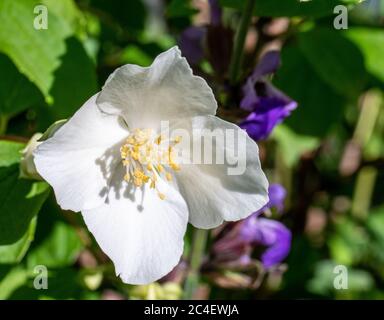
x: 191, y: 40
x: 270, y: 233
x: 177, y: 274
x: 277, y: 194
x: 191, y: 43
x: 215, y: 12
x: 268, y: 105
x: 235, y: 245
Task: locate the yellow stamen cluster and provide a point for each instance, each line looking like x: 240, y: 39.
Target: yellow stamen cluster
x: 146, y: 158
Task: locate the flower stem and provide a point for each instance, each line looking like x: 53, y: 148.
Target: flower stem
x: 200, y: 237
x: 238, y: 48
x: 364, y: 187
x: 367, y: 176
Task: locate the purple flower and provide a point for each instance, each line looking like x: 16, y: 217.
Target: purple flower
x: 238, y: 240
x: 216, y: 12
x: 192, y: 39
x: 270, y: 233
x: 268, y: 105
x: 277, y: 194
x: 191, y: 43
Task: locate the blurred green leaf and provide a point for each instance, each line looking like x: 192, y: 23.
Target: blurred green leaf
x: 349, y: 242
x: 10, y: 152
x: 11, y: 280
x: 180, y: 8
x: 131, y: 15
x: 359, y: 281
x: 20, y: 201
x: 15, y: 252
x: 134, y: 55
x: 62, y: 284
x: 375, y: 224
x: 17, y: 93
x: 35, y: 52
x: 59, y: 249
x: 292, y: 145
x: 295, y: 278
x: 290, y: 8
x: 335, y: 59
x: 319, y: 107
x: 371, y: 43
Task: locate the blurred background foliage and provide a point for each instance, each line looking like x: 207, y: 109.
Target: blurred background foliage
x: 329, y: 154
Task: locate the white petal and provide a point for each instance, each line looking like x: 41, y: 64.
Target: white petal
x: 78, y: 159
x: 211, y: 194
x: 142, y: 234
x: 166, y: 90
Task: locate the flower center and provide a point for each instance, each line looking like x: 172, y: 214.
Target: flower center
x: 148, y: 157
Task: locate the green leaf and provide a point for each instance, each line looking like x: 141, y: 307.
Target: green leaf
x: 62, y: 284
x: 375, y: 223
x: 35, y: 52
x: 335, y: 59
x: 131, y: 15
x: 59, y: 249
x: 10, y: 280
x: 71, y: 87
x: 10, y: 152
x: 349, y: 243
x: 292, y: 145
x: 68, y: 12
x: 75, y: 82
x: 290, y: 8
x: 359, y: 281
x: 15, y: 252
x: 20, y: 201
x: 180, y: 8
x: 319, y: 107
x: 17, y: 93
x: 371, y: 43
x: 134, y: 55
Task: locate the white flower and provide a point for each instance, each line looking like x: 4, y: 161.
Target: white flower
x: 138, y: 211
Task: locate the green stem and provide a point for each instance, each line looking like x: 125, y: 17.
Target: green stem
x: 238, y: 48
x: 363, y: 192
x: 367, y: 176
x: 200, y: 237
x: 369, y: 114
x: 3, y: 124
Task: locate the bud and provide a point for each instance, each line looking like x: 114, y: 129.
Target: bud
x: 92, y: 279
x: 157, y: 291
x: 27, y: 164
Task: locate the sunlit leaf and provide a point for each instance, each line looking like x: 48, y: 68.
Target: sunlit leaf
x: 11, y: 279
x: 10, y: 152
x: 15, y: 252
x: 319, y: 106
x: 35, y: 52
x: 335, y: 59
x: 371, y: 43
x: 60, y: 248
